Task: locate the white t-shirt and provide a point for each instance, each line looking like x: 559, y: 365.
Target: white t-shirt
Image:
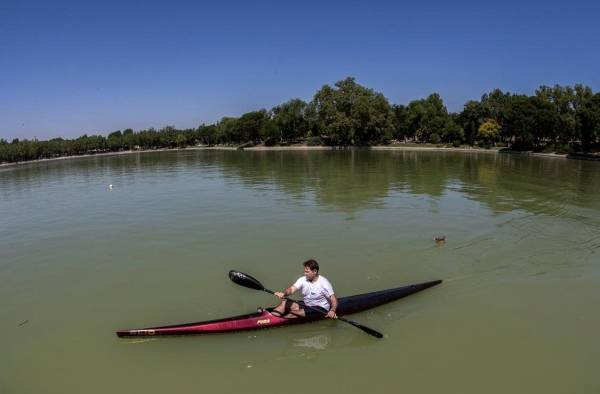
x: 315, y: 293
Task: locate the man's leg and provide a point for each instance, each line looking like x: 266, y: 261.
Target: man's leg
x: 294, y: 311
x: 288, y: 309
x: 279, y: 310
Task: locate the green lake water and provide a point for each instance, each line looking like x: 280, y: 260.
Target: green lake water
x: 518, y: 311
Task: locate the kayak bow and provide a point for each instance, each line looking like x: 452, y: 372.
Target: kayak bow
x: 264, y: 318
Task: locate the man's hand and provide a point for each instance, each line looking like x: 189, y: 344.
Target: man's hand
x: 279, y: 294
x: 331, y: 315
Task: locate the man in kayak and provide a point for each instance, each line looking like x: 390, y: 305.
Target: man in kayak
x: 317, y: 293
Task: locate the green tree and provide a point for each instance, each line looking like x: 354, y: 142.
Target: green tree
x: 269, y: 132
x: 426, y: 117
x: 519, y: 121
x: 562, y: 99
x: 207, y: 134
x: 495, y: 105
x: 350, y: 114
x: 587, y: 113
x: 227, y: 131
x: 250, y: 124
x: 471, y: 117
x: 453, y: 131
x: 290, y: 120
x: 400, y: 121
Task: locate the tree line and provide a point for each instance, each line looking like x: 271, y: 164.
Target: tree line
x: 555, y: 119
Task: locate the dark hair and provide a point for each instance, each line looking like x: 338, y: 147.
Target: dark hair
x: 312, y: 265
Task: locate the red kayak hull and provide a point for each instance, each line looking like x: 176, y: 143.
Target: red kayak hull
x: 264, y: 319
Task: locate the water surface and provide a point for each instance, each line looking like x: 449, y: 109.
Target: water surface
x: 518, y: 311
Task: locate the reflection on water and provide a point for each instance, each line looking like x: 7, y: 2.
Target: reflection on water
x: 345, y: 180
x: 318, y: 342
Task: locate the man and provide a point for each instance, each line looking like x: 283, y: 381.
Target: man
x: 317, y: 293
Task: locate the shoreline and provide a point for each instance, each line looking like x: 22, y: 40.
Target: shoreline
x: 296, y: 148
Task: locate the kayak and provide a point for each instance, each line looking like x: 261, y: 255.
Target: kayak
x: 263, y: 318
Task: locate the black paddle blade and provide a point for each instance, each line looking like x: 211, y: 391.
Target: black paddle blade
x: 245, y: 280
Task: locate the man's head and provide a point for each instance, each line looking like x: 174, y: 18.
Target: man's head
x: 311, y: 269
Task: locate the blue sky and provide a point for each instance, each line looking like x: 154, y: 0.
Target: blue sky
x: 69, y: 68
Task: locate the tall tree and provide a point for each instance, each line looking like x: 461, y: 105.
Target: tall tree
x: 290, y: 120
x: 471, y: 117
x: 350, y: 114
x: 587, y: 113
x: 249, y: 125
x: 427, y: 118
x: 562, y: 99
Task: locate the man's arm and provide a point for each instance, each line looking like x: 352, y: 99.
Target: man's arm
x: 289, y: 291
x: 333, y: 301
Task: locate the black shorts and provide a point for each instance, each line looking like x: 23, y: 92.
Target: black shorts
x: 313, y: 310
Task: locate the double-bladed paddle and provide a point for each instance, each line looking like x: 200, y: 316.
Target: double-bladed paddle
x: 252, y: 283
